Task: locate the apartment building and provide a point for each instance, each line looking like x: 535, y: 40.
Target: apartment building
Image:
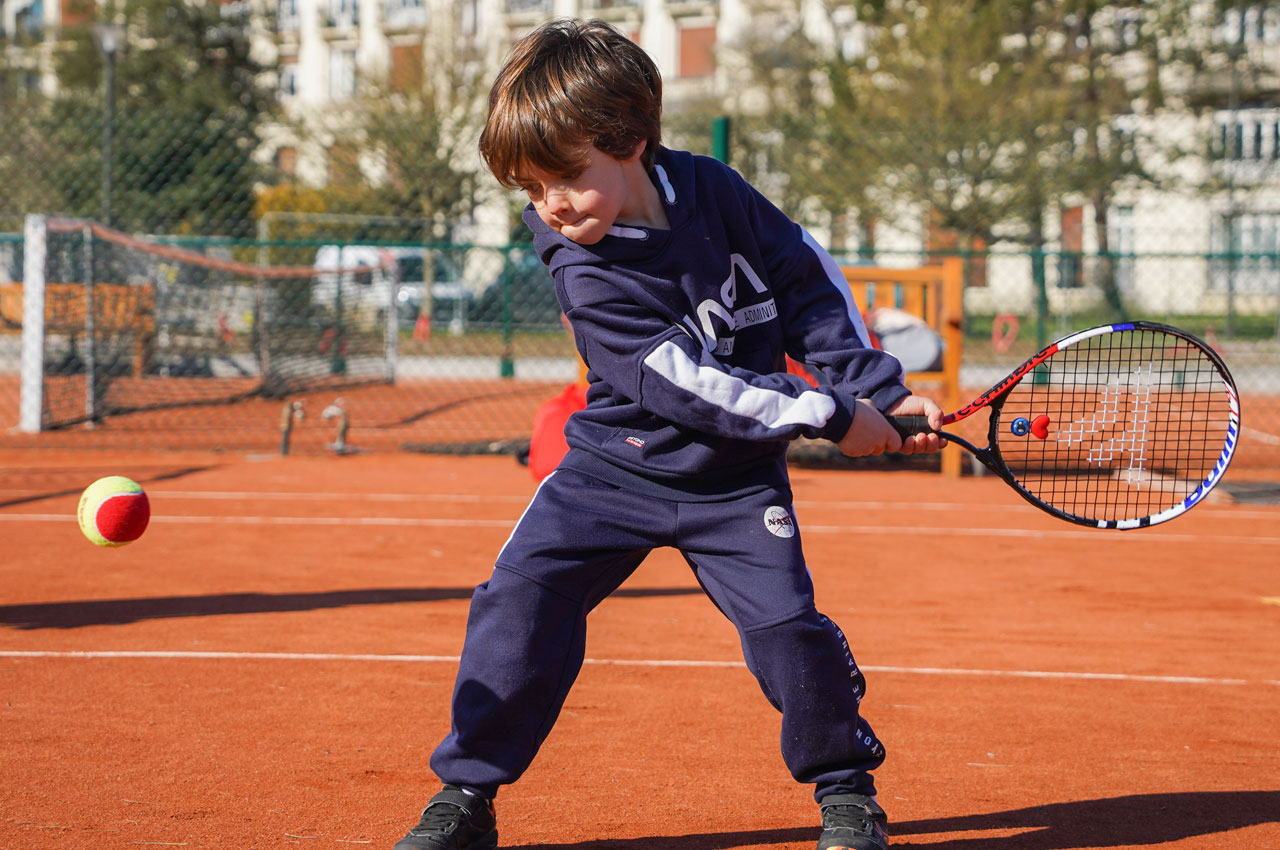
x: 325, y: 51
x: 326, y: 46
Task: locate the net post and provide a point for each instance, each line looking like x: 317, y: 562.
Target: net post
x: 34, y: 250
x: 90, y: 332
x: 391, y: 347
x: 262, y: 350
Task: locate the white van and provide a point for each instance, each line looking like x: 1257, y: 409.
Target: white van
x: 369, y: 272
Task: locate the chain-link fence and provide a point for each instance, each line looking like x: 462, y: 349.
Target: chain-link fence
x: 252, y: 290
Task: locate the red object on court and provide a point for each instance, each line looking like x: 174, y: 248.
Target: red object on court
x: 547, y: 446
x: 812, y: 376
x: 422, y: 328
x: 798, y: 369
x: 1004, y: 330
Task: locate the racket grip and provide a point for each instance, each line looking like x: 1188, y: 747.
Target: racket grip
x: 909, y: 426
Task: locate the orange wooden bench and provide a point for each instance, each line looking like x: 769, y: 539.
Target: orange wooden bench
x: 118, y: 309
x: 935, y: 293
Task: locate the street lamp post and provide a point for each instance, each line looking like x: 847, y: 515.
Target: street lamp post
x: 110, y: 37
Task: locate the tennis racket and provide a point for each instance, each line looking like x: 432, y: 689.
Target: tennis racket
x: 1118, y: 426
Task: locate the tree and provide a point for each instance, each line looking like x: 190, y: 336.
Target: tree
x: 982, y: 115
x: 190, y: 100
x: 959, y: 115
x: 409, y: 150
x: 1115, y: 58
x: 931, y: 111
x: 789, y: 139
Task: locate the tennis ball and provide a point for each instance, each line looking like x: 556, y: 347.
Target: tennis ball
x: 113, y: 511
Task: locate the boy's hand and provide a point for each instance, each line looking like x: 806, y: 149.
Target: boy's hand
x: 919, y: 405
x: 871, y: 433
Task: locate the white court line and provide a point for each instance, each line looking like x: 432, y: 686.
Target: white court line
x: 622, y: 662
x: 1261, y: 436
x: 1135, y: 536
x: 447, y: 498
x: 167, y: 519
x: 330, y: 496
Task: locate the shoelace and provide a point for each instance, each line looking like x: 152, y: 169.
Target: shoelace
x: 438, y: 817
x: 855, y: 817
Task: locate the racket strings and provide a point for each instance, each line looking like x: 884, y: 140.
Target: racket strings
x: 1119, y: 426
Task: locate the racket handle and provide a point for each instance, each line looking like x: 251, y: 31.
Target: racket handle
x: 909, y: 426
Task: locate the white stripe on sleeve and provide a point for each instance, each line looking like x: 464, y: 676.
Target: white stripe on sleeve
x: 838, y: 280
x: 770, y: 408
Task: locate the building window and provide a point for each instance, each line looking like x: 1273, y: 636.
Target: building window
x: 1071, y: 257
x: 1126, y: 28
x: 1121, y: 245
x: 941, y: 242
x: 1252, y: 26
x: 529, y: 7
x: 1246, y: 134
x: 406, y: 67
x: 697, y: 51
x: 406, y: 14
x: 343, y: 13
x: 287, y: 16
x: 344, y: 165
x: 469, y: 18
x: 287, y: 161
x: 29, y: 21
x: 342, y: 74
x: 288, y: 79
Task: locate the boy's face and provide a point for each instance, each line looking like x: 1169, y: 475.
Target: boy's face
x: 583, y: 204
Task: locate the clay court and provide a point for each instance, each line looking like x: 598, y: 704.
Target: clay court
x: 271, y: 664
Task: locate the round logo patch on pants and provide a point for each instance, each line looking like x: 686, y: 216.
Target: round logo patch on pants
x: 779, y: 522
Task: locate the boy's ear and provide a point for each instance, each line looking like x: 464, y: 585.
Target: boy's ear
x: 639, y: 149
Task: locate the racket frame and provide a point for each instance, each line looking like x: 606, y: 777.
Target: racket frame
x: 995, y: 397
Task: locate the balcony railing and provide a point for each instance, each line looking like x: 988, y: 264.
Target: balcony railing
x: 603, y: 5
x: 529, y: 7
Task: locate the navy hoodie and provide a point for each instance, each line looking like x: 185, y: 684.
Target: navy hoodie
x: 685, y: 332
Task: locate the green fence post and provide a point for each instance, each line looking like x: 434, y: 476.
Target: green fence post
x: 507, y: 367
x: 1042, y: 309
x: 337, y: 359
x: 720, y: 138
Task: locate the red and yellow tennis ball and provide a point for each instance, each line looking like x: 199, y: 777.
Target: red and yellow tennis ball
x: 113, y: 511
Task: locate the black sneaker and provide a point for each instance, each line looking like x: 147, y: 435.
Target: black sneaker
x: 453, y: 820
x: 852, y: 822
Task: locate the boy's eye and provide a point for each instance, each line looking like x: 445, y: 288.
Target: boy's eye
x: 571, y: 175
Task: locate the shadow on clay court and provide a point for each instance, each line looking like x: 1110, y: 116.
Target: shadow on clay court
x: 462, y: 402
x: 118, y: 612
x: 1131, y: 821
x: 72, y: 482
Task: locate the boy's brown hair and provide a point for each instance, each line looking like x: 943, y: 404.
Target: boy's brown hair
x: 566, y: 86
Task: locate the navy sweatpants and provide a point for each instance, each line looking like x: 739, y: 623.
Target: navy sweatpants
x: 578, y: 540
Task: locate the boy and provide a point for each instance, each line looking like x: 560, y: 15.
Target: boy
x: 685, y: 289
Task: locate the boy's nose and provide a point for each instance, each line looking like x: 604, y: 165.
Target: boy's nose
x: 558, y: 200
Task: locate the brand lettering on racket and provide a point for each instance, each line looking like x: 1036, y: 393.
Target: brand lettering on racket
x: 998, y: 390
